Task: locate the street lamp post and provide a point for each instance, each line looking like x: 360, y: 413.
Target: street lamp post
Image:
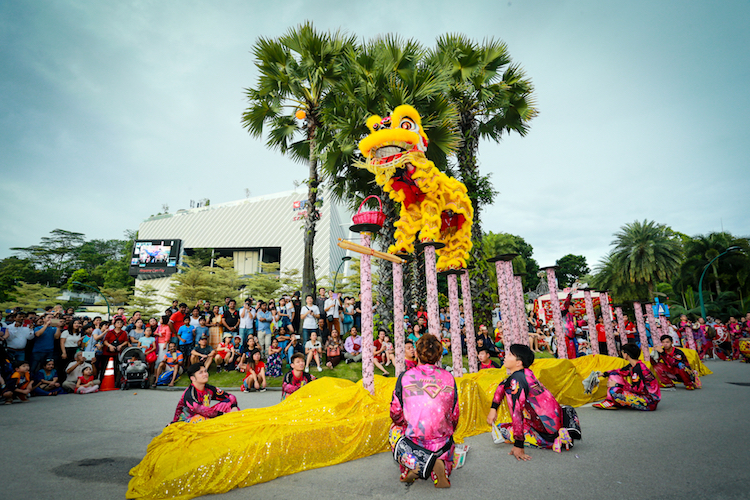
x: 700, y: 282
x: 336, y: 276
x: 97, y: 291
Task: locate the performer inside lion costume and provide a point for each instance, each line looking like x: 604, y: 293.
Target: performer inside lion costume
x: 433, y: 205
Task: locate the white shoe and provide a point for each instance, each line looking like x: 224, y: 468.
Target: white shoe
x: 307, y: 369
x: 320, y: 369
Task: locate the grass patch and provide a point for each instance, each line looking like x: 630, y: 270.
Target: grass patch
x: 351, y: 371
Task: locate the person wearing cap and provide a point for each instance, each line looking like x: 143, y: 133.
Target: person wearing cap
x: 202, y: 353
x: 224, y: 356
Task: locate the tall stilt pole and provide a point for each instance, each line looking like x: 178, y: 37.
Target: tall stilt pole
x: 521, y: 322
x: 504, y: 293
x: 368, y: 369
x: 562, y: 346
x: 398, y: 317
x: 458, y: 365
x: 653, y: 325
x: 591, y: 315
x: 664, y: 326
x: 641, y: 325
x: 471, y: 338
x: 607, y: 315
x: 621, y: 325
x: 430, y: 271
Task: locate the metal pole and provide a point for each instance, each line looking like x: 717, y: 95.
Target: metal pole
x: 336, y: 276
x: 700, y: 282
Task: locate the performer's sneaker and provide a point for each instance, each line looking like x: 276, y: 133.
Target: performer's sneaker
x: 605, y: 405
x: 690, y: 388
x: 562, y: 441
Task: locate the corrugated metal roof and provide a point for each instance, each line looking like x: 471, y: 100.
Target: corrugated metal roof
x: 265, y: 221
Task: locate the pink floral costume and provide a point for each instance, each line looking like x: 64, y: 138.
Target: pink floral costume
x: 425, y: 411
x: 536, y: 416
x: 642, y: 392
x: 195, y: 406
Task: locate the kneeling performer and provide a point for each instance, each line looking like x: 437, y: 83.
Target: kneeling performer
x: 194, y: 405
x: 424, y: 410
x: 641, y: 392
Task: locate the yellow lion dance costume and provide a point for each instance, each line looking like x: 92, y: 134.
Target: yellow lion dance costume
x: 432, y: 204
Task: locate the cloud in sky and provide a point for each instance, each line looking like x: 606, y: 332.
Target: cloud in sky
x: 112, y: 109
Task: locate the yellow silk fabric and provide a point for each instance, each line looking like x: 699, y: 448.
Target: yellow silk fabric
x: 327, y: 422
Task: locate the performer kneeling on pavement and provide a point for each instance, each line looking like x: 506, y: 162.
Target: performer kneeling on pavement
x: 424, y: 410
x: 641, y: 392
x: 194, y: 405
x: 672, y: 366
x: 536, y: 416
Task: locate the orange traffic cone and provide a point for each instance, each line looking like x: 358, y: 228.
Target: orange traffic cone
x: 108, y: 384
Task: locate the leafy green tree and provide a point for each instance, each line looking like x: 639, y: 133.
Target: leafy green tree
x: 14, y: 270
x: 80, y: 276
x: 57, y: 254
x: 502, y: 243
x: 145, y: 299
x: 32, y: 296
x: 270, y: 284
x: 645, y: 253
x: 493, y: 97
x: 115, y: 296
x: 196, y: 282
x: 571, y: 267
x: 296, y: 73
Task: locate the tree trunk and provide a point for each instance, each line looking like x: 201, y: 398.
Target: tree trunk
x: 308, y: 263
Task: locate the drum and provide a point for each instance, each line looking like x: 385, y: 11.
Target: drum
x: 745, y: 349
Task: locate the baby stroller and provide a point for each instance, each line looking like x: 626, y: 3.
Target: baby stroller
x: 133, y: 369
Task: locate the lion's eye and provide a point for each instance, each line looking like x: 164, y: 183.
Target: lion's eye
x: 408, y: 124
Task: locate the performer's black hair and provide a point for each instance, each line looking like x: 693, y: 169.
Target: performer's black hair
x: 666, y: 337
x: 632, y: 350
x: 193, y: 369
x: 524, y: 353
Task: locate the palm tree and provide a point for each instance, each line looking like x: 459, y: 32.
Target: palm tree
x: 645, y: 253
x: 381, y: 75
x: 296, y: 73
x: 493, y: 97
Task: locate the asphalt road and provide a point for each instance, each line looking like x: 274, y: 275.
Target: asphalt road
x: 696, y: 445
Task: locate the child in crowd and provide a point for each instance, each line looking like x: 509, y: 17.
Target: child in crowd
x: 631, y: 387
x: 485, y: 362
x: 86, y: 383
x: 19, y: 384
x: 537, y: 418
x: 46, y: 382
x: 256, y: 375
x: 273, y: 363
x: 202, y: 330
x: 186, y: 335
x: 296, y: 377
x: 313, y: 350
x: 390, y: 353
x: 147, y: 343
x: 225, y: 353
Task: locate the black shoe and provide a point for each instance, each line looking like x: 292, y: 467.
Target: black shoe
x: 349, y: 361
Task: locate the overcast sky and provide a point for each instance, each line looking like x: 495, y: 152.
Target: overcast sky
x: 111, y: 109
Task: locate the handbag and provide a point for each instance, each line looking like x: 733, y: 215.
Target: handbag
x: 570, y: 422
x: 330, y: 318
x: 151, y: 357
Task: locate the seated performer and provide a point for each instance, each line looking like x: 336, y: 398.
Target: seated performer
x: 194, y: 403
x: 673, y: 366
x: 537, y: 418
x: 296, y: 377
x: 485, y: 362
x: 424, y: 410
x: 642, y: 392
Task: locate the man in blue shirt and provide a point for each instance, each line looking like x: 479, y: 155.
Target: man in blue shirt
x: 264, y: 317
x: 186, y: 333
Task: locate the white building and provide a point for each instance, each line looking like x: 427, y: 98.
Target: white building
x: 263, y: 229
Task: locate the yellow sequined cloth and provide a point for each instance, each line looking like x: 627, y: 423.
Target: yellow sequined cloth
x: 326, y: 422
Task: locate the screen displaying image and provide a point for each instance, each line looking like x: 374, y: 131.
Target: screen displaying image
x: 154, y: 254
x: 134, y: 261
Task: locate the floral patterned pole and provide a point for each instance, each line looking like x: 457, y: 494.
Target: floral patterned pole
x: 398, y: 317
x: 664, y: 326
x: 521, y: 322
x: 458, y: 366
x: 621, y: 325
x: 641, y: 325
x: 430, y: 271
x: 607, y: 315
x: 368, y: 369
x: 562, y: 346
x: 591, y: 315
x: 690, y: 338
x: 504, y: 298
x: 653, y: 325
x: 471, y: 338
